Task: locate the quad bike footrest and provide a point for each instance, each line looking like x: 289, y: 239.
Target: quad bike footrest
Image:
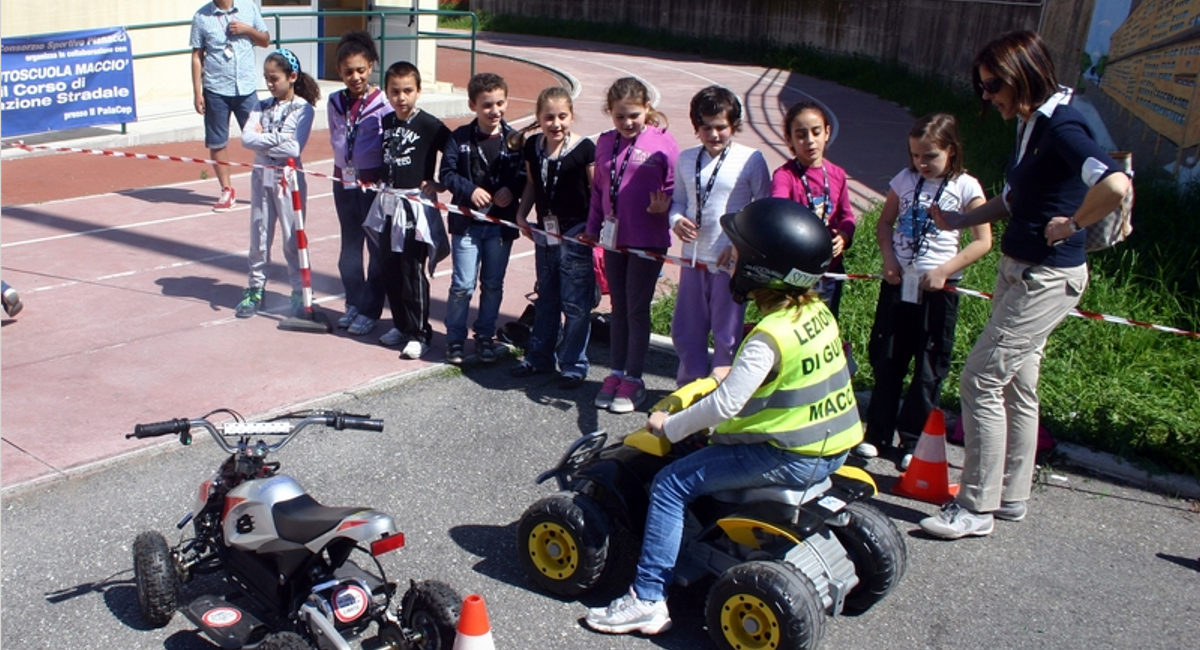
x: 226, y: 624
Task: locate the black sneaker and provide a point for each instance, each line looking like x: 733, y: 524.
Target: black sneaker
x: 454, y: 353
x: 486, y: 349
x: 570, y: 382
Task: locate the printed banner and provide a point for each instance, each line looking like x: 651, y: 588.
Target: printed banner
x: 66, y: 81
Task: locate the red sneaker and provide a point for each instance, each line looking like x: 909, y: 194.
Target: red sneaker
x: 228, y: 198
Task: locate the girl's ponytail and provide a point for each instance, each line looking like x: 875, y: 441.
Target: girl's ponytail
x: 515, y: 141
x: 307, y: 88
x: 656, y: 118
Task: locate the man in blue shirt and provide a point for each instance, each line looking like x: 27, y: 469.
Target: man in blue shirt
x: 224, y: 33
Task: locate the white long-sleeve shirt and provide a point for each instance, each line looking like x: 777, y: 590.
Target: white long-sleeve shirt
x: 743, y: 177
x: 754, y: 363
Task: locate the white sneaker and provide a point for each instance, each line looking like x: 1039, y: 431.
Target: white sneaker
x: 630, y: 614
x: 955, y: 521
x: 866, y: 450
x: 414, y: 349
x: 391, y: 338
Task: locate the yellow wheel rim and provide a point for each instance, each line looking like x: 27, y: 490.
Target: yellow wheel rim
x: 749, y: 624
x: 553, y: 550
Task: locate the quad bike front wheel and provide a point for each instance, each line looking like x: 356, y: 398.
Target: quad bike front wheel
x: 429, y: 611
x: 878, y: 552
x: 764, y: 605
x: 563, y: 543
x: 157, y: 577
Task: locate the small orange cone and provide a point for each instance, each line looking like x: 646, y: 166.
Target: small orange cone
x: 928, y: 475
x: 474, y: 629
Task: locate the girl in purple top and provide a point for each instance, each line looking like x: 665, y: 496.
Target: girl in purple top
x: 631, y: 195
x: 810, y: 179
x: 356, y: 133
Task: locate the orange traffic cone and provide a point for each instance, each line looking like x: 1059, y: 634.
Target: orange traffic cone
x: 928, y: 475
x: 474, y: 630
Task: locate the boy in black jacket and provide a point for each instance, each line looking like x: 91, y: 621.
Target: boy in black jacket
x: 483, y: 173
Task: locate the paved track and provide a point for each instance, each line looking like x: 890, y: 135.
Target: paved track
x: 1094, y: 566
x: 129, y: 294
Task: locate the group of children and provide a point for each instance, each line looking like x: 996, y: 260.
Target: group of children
x: 631, y: 188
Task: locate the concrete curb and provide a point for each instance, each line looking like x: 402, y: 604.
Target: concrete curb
x: 575, y: 86
x: 1114, y: 467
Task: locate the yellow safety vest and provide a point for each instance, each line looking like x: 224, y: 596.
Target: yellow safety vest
x: 808, y: 407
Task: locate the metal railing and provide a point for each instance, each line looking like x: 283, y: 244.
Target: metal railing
x: 383, y: 38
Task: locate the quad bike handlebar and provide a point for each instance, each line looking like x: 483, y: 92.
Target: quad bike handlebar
x: 231, y: 436
x: 679, y: 399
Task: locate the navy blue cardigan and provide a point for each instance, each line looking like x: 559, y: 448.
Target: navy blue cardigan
x: 1048, y: 182
x: 461, y: 177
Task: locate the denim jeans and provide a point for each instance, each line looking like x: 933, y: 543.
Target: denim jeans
x: 363, y: 290
x: 712, y: 469
x: 217, y: 109
x: 566, y: 284
x: 481, y: 253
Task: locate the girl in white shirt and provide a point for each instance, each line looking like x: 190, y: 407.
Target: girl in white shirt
x: 916, y: 316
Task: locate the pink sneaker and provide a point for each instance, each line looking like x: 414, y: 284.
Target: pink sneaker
x: 608, y: 390
x: 630, y: 395
x: 228, y: 198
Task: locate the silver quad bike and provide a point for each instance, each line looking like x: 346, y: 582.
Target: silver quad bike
x: 776, y: 561
x: 301, y: 575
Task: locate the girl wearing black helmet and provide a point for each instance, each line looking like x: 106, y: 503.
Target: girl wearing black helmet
x: 784, y: 415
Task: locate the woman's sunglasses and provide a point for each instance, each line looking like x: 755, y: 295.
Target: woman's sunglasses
x: 991, y: 85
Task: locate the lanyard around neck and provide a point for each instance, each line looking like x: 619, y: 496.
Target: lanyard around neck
x: 278, y: 114
x: 548, y: 163
x: 614, y: 176
x: 702, y: 197
x: 354, y: 116
x: 920, y: 220
x: 808, y: 192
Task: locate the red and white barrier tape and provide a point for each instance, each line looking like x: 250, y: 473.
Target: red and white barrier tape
x: 417, y: 196
x: 1077, y: 313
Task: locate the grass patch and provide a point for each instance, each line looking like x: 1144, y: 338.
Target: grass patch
x: 1130, y: 391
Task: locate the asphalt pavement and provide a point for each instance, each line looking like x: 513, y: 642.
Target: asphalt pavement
x: 1095, y: 565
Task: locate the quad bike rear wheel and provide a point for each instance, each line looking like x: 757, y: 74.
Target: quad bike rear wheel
x: 429, y: 611
x: 156, y: 574
x: 878, y: 552
x: 764, y: 605
x: 563, y: 542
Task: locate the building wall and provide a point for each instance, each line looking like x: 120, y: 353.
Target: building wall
x: 1153, y: 65
x: 24, y: 17
x: 936, y: 36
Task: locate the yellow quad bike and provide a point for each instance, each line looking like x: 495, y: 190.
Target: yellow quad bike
x: 782, y: 558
